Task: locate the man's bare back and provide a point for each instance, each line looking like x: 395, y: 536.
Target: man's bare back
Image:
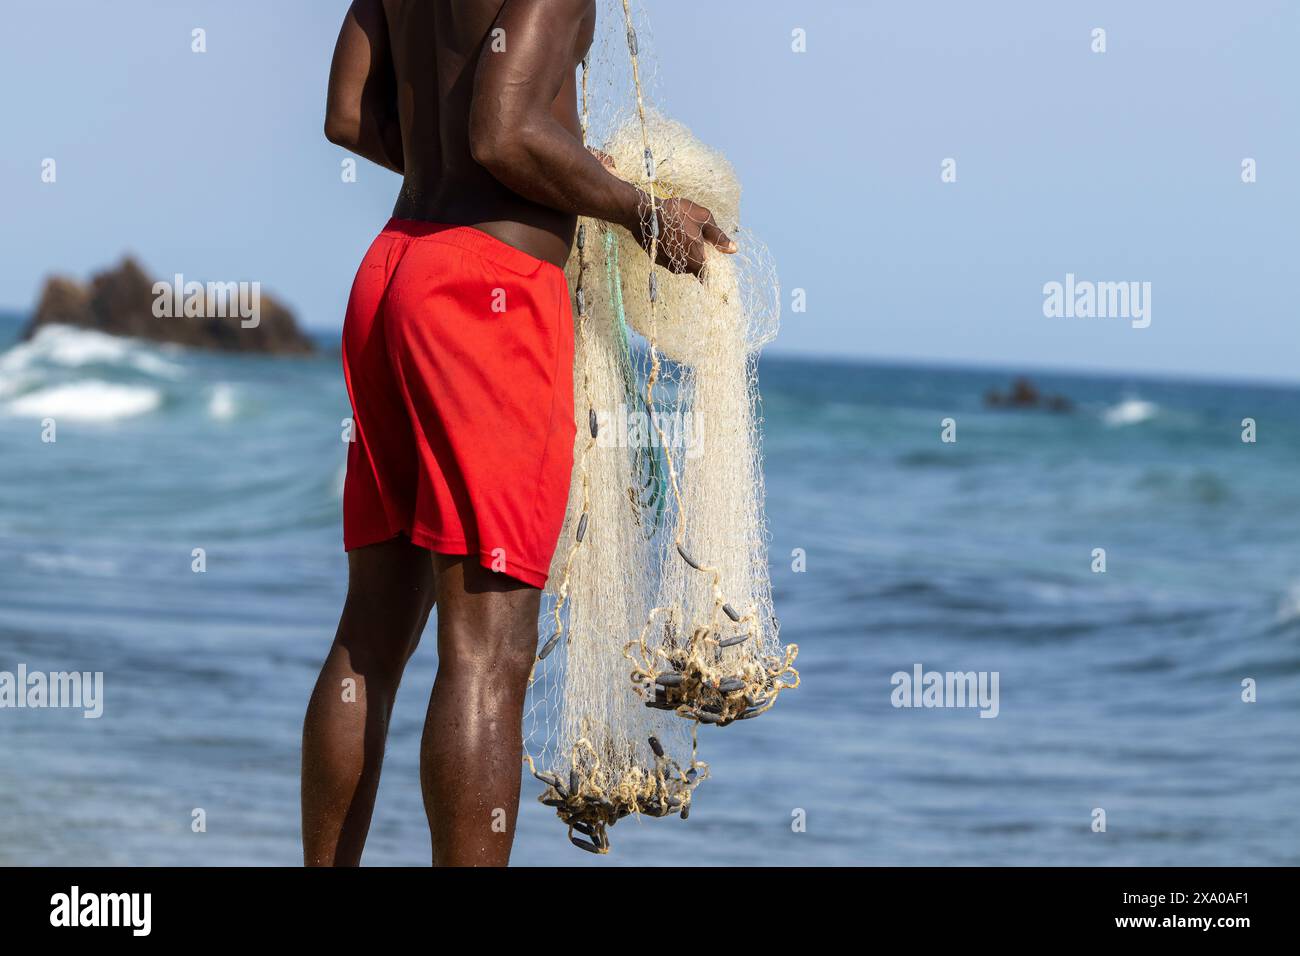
x: 436, y: 47
x: 474, y: 102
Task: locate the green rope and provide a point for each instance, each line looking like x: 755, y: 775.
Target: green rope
x: 648, y: 460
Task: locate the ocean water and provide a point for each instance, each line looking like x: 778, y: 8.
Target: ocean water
x: 1119, y: 691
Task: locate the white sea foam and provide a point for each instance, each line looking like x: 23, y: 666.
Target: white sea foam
x: 89, y: 401
x: 1130, y: 411
x: 67, y: 346
x: 72, y: 564
x: 13, y: 383
x: 221, y: 405
x: 1288, y: 608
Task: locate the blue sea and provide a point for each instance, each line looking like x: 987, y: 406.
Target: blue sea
x: 1119, y: 691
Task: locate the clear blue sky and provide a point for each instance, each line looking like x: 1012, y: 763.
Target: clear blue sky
x: 1116, y: 166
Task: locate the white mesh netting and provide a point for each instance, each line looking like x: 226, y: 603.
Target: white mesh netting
x: 658, y: 617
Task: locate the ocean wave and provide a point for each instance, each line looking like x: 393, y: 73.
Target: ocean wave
x: 221, y: 403
x: 70, y: 347
x: 923, y: 458
x: 1288, y: 609
x: 11, y: 384
x: 72, y: 564
x: 1131, y: 411
x: 1203, y: 486
x: 87, y: 401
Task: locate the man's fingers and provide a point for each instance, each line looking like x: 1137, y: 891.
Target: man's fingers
x: 717, y: 237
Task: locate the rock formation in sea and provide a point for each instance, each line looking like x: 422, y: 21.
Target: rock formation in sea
x: 1025, y: 394
x: 125, y: 301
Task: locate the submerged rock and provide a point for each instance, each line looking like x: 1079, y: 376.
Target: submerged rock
x: 1024, y: 394
x: 229, y: 317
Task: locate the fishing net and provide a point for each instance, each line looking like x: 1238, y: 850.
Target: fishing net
x: 658, y: 617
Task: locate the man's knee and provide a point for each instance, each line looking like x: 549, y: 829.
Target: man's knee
x: 383, y: 619
x: 491, y: 630
x: 488, y: 632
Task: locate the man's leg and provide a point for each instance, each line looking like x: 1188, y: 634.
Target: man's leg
x: 471, y: 753
x: 390, y: 591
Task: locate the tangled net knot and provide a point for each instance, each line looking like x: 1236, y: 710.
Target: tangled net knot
x: 589, y: 801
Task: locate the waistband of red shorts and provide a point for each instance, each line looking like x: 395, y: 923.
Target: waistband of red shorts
x: 472, y: 239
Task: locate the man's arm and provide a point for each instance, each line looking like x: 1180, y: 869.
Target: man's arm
x: 361, y: 108
x: 514, y: 135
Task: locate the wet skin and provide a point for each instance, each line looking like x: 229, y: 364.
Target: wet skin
x: 487, y: 137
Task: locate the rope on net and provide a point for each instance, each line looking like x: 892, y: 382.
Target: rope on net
x: 714, y: 671
x: 694, y: 684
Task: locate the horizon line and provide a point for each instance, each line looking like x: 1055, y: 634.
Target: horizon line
x: 1193, y: 377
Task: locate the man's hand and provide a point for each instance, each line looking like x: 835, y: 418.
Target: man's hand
x: 685, y: 230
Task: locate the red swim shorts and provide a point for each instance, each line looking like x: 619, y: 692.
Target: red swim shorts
x: 458, y: 356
